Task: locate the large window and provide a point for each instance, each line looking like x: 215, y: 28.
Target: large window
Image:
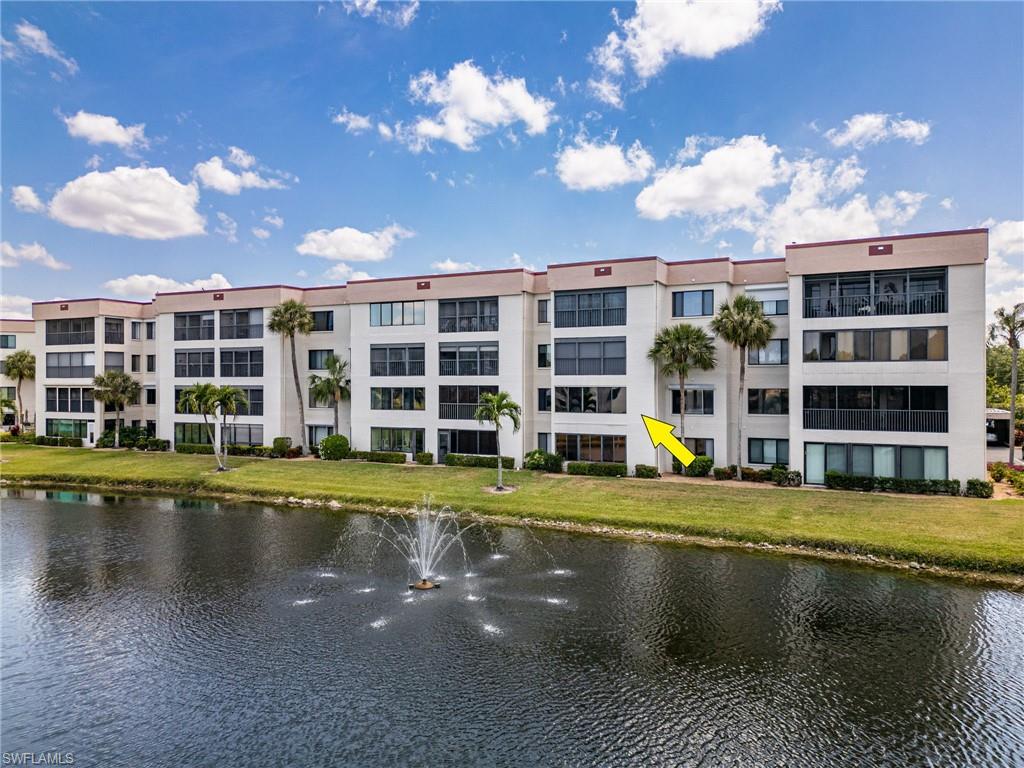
x: 69, y: 400
x: 7, y: 340
x: 908, y: 462
x: 70, y: 365
x: 398, y: 398
x: 467, y: 315
x: 67, y: 428
x: 700, y: 446
x: 699, y: 400
x: 480, y: 442
x: 768, y: 402
x: 585, y: 357
x: 113, y: 361
x: 397, y: 360
x: 396, y: 439
x: 602, y: 448
x: 879, y: 408
x: 767, y: 450
x: 323, y: 320
x: 194, y: 363
x: 254, y: 402
x: 693, y: 303
x: 590, y: 399
x: 461, y: 401
x: 193, y: 326
x: 772, y: 307
x: 469, y: 359
x: 243, y: 434
x: 586, y: 309
x: 113, y: 330
x: 241, y: 323
x: 187, y: 433
x: 879, y: 345
x: 776, y: 352
x: 79, y: 330
x: 398, y: 313
x: 241, y: 363
x: 318, y: 359
x: 893, y: 292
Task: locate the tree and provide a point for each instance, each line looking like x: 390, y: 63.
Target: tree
x: 1008, y: 329
x: 493, y: 407
x: 288, y: 319
x: 743, y: 325
x: 20, y: 365
x: 334, y: 387
x: 679, y: 349
x: 202, y: 399
x: 115, y: 388
x: 227, y: 400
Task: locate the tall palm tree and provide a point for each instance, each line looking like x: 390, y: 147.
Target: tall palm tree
x: 1007, y: 329
x: 288, y: 319
x: 743, y: 325
x: 493, y: 407
x: 20, y: 365
x: 202, y: 399
x: 334, y: 387
x: 227, y: 400
x: 679, y: 349
x: 115, y: 388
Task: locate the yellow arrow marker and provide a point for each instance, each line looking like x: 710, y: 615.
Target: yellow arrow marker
x: 661, y: 434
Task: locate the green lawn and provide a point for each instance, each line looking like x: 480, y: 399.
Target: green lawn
x: 957, y: 532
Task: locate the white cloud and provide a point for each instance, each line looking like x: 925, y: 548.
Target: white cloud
x: 213, y: 174
x: 606, y: 90
x: 103, y: 129
x: 261, y: 233
x: 517, y: 261
x: 385, y: 131
x: 869, y: 128
x: 1004, y: 270
x: 353, y: 123
x: 146, y: 203
x: 350, y: 244
x: 947, y: 203
x: 32, y: 39
x: 228, y: 227
x: 240, y: 158
x: 597, y: 165
x: 472, y: 105
x: 455, y: 266
x: 395, y: 14
x: 274, y: 220
x: 146, y: 286
x: 28, y: 253
x: 345, y: 272
x: 14, y: 307
x: 94, y: 162
x: 25, y: 199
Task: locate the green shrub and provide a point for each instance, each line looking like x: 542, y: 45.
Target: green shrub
x: 844, y: 481
x: 281, y: 446
x: 724, y: 473
x: 785, y: 477
x: 295, y: 452
x: 70, y: 442
x: 700, y: 466
x: 1017, y: 482
x: 46, y: 440
x: 597, y: 469
x: 202, y: 448
x: 381, y: 457
x: 677, y: 466
x: 646, y: 471
x: 753, y: 475
x: 259, y: 451
x: 998, y: 471
x: 470, y: 460
x: 542, y: 460
x: 334, y: 448
x: 424, y: 457
x: 979, y: 489
x: 7, y: 437
x: 157, y: 444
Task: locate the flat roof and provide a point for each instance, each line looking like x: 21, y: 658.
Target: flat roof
x: 946, y: 233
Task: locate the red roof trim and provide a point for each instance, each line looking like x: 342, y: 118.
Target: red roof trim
x: 93, y: 298
x: 228, y: 290
x: 603, y: 261
x: 438, y: 276
x: 891, y: 237
x: 17, y: 320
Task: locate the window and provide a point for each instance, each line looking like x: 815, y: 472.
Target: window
x: 543, y: 355
x: 767, y: 450
x: 908, y: 462
x: 241, y: 323
x: 469, y: 359
x: 150, y: 396
x: 585, y: 357
x: 318, y: 432
x: 318, y: 359
x: 768, y: 402
x: 590, y: 399
x: 544, y: 399
x: 544, y: 441
x: 398, y: 313
x: 775, y: 353
x: 136, y: 363
x: 772, y: 307
x: 70, y: 365
x: 598, y: 448
x: 879, y: 345
x: 193, y: 326
x: 11, y: 393
x: 896, y: 292
x: 243, y: 434
x: 461, y: 401
x: 889, y: 408
x: 542, y: 310
x: 254, y: 398
x: 323, y: 402
x: 150, y: 363
x: 69, y: 400
x: 587, y: 309
x: 242, y: 363
x: 323, y: 320
x: 67, y: 428
x: 113, y: 361
x: 150, y: 429
x: 699, y: 400
x: 396, y: 439
x: 479, y: 442
x: 467, y: 315
x: 113, y: 330
x: 398, y: 398
x: 80, y: 330
x: 196, y: 363
x: 190, y: 434
x: 151, y: 330
x: 136, y: 330
x: 7, y: 341
x: 693, y: 303
x: 397, y: 361
x: 700, y: 446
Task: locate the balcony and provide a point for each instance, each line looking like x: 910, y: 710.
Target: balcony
x: 468, y: 324
x: 464, y: 411
x: 251, y: 331
x: 877, y: 421
x: 397, y: 368
x: 469, y: 368
x: 875, y: 305
x: 589, y: 318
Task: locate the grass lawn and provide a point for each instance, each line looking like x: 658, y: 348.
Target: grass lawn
x: 955, y: 532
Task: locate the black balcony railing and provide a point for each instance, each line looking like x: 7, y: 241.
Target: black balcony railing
x: 397, y: 368
x: 877, y: 421
x: 589, y: 318
x: 469, y: 368
x: 880, y: 305
x: 458, y: 411
x: 470, y: 324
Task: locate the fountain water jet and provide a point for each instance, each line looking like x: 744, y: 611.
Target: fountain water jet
x: 425, y: 541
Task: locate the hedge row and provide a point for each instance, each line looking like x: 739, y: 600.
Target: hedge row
x: 646, y: 471
x: 597, y: 469
x: 381, y: 457
x: 194, y: 448
x: 848, y: 482
x: 469, y: 460
x: 424, y: 457
x: 63, y: 442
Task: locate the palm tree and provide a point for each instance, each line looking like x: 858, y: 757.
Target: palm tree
x: 678, y: 350
x: 287, y: 319
x: 493, y: 407
x: 202, y: 399
x: 334, y: 387
x: 743, y: 324
x: 115, y: 388
x: 1007, y: 329
x: 227, y: 400
x: 20, y: 365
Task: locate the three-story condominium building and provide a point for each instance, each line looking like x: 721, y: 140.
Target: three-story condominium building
x: 876, y: 365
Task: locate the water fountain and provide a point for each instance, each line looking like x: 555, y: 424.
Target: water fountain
x: 425, y: 540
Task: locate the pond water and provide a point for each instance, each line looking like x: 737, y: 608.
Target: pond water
x: 160, y: 632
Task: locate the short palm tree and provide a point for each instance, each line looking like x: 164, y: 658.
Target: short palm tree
x: 332, y: 388
x: 743, y: 325
x: 228, y: 400
x: 288, y: 319
x: 202, y: 399
x: 1008, y: 329
x: 493, y: 407
x: 678, y: 350
x: 115, y: 388
x: 20, y: 365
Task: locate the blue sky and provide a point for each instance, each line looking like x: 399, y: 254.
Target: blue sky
x: 152, y: 145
